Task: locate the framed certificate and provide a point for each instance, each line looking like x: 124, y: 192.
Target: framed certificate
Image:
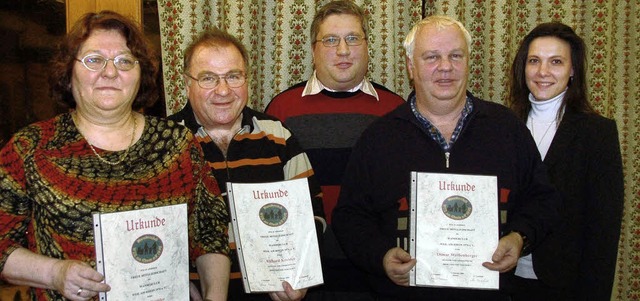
x: 275, y: 235
x: 453, y: 230
x: 143, y: 254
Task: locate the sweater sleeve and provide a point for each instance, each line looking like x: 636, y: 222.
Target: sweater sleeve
x: 297, y: 165
x: 356, y: 218
x: 15, y: 206
x: 208, y: 214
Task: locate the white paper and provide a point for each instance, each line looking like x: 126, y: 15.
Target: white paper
x: 275, y: 235
x: 143, y: 254
x: 453, y: 229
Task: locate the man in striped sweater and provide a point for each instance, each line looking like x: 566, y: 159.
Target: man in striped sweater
x: 241, y: 144
x: 328, y: 113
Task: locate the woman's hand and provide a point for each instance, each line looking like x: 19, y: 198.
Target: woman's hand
x: 74, y: 279
x: 77, y: 280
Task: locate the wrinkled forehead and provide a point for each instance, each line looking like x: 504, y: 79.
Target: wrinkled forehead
x: 217, y: 56
x: 441, y: 37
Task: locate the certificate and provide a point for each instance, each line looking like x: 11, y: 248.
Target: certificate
x: 275, y: 235
x: 143, y: 254
x: 453, y: 230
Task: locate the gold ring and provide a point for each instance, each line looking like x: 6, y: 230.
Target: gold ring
x: 79, y: 292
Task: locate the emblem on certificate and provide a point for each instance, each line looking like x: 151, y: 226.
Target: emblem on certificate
x: 275, y: 235
x: 453, y: 229
x: 143, y: 254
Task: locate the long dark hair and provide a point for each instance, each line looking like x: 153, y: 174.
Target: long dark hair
x: 63, y: 62
x: 576, y: 98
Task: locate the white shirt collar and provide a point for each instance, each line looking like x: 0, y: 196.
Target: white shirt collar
x: 314, y: 86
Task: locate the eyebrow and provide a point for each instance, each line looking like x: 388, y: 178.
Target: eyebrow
x: 551, y: 57
x: 232, y: 71
x: 96, y: 51
x: 443, y: 52
x: 353, y: 33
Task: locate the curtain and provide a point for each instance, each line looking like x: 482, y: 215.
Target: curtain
x: 611, y: 30
x: 276, y: 34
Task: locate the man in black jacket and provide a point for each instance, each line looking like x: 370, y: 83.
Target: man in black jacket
x: 441, y: 129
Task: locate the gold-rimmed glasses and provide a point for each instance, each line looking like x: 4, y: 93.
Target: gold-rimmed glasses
x: 97, y: 62
x: 211, y: 80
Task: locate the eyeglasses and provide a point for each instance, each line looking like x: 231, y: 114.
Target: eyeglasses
x: 334, y: 41
x: 96, y: 62
x: 210, y: 81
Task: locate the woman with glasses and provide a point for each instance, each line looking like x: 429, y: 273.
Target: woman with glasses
x: 581, y: 151
x: 102, y: 156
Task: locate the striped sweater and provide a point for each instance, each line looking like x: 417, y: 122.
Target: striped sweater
x: 328, y: 125
x: 264, y: 150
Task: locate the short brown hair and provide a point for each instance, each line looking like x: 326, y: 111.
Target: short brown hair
x: 214, y: 37
x: 337, y: 8
x: 64, y: 60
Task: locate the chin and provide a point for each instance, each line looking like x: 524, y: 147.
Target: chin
x: 542, y: 97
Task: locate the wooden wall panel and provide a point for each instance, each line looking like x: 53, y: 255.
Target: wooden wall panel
x: 77, y: 8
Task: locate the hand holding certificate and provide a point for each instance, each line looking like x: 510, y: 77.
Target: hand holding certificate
x: 453, y: 229
x: 143, y: 254
x: 275, y: 235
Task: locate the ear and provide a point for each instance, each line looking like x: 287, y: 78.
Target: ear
x: 409, y: 67
x: 186, y: 83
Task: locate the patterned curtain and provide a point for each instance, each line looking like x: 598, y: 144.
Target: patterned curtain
x: 611, y: 30
x: 276, y: 35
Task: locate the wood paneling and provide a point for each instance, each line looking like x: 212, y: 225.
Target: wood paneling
x: 77, y: 8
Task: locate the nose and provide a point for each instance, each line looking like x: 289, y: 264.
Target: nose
x: 445, y: 64
x: 222, y: 88
x: 543, y: 69
x: 110, y: 69
x: 343, y: 48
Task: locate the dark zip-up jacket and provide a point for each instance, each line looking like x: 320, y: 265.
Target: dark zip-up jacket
x: 372, y: 213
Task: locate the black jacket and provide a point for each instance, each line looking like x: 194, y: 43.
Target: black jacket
x: 370, y: 217
x: 585, y: 165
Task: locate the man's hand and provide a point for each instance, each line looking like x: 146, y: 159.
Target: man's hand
x: 397, y: 263
x: 506, y: 255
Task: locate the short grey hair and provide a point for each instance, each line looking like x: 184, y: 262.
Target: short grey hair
x: 440, y: 21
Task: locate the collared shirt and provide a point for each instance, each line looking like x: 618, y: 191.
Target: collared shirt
x: 314, y: 86
x: 434, y: 132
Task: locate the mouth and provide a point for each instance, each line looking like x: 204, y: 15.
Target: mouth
x: 343, y: 65
x: 219, y: 103
x: 544, y: 84
x: 445, y: 81
x: 107, y: 89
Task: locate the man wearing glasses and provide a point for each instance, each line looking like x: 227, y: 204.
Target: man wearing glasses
x: 328, y: 113
x: 241, y: 144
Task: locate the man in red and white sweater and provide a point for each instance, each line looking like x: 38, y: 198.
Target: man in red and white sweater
x: 328, y: 113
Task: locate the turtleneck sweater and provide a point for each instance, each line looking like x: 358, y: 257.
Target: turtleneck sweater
x: 542, y: 122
